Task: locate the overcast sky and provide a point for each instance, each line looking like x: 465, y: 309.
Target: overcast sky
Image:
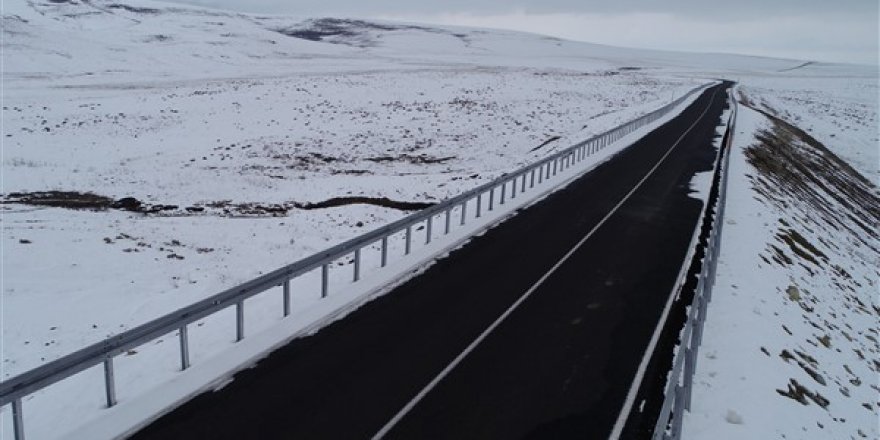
x: 822, y: 30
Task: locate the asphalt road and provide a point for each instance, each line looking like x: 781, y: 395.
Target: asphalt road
x: 559, y: 365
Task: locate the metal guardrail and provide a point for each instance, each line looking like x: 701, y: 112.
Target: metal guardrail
x: 677, y: 397
x: 13, y: 390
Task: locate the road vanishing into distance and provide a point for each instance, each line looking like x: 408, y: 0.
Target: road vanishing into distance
x: 534, y: 330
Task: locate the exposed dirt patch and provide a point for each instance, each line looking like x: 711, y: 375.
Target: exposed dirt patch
x: 321, y: 29
x: 801, y: 246
x: 377, y: 201
x: 801, y: 393
x: 352, y: 32
x: 545, y: 143
x: 806, y: 365
x: 60, y: 199
x: 417, y: 159
x: 90, y: 201
x: 226, y: 208
x: 358, y: 33
x: 134, y: 9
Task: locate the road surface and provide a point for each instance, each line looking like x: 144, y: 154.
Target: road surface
x: 533, y: 330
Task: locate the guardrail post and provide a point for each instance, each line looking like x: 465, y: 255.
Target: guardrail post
x: 677, y: 411
x: 239, y: 320
x: 710, y: 256
x: 17, y: 420
x: 689, y: 358
x: 503, y: 192
x: 109, y: 382
x: 357, y: 260
x: 716, y: 245
x: 184, y: 347
x: 429, y: 226
x: 286, y: 296
x: 383, y: 251
x: 555, y: 165
x: 408, y: 238
x: 540, y: 174
x: 513, y: 187
x: 325, y: 279
x: 463, y: 212
x: 479, y: 204
x: 448, y: 219
x: 714, y: 267
x: 491, y: 198
x: 532, y: 179
x: 700, y: 310
x: 523, y: 189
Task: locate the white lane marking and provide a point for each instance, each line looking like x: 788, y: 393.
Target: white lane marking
x: 421, y: 394
x: 652, y: 345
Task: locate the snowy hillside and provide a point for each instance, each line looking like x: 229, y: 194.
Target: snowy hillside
x: 83, y: 42
x: 154, y: 154
x: 790, y: 347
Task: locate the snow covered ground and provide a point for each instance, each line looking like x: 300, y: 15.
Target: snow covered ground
x: 244, y: 138
x: 837, y: 107
x: 790, y: 345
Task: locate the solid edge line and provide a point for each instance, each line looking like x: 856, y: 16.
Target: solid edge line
x: 445, y: 372
x: 622, y: 417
